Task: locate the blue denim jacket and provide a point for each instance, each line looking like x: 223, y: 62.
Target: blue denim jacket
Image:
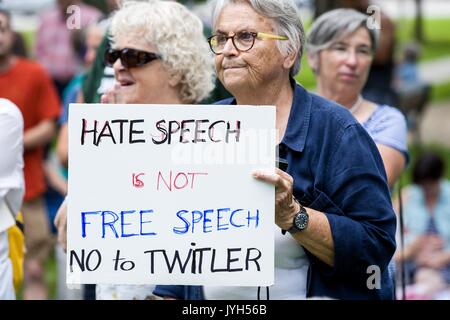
x: 338, y: 170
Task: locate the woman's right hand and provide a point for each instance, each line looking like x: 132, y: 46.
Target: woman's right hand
x: 113, y: 95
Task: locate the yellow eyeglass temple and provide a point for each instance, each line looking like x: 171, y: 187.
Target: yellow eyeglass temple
x: 263, y: 35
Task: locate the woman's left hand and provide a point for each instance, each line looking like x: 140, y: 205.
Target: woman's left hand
x: 60, y: 223
x: 317, y: 238
x: 285, y: 205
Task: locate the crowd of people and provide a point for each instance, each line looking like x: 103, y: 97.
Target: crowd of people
x: 345, y: 148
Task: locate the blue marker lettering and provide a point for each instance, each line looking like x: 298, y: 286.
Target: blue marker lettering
x: 123, y: 224
x: 181, y: 230
x: 196, y: 220
x: 148, y: 221
x: 231, y: 219
x: 206, y: 220
x: 255, y: 217
x: 219, y: 217
x: 84, y: 223
x: 109, y: 223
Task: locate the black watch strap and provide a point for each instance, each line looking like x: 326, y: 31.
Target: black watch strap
x: 300, y: 221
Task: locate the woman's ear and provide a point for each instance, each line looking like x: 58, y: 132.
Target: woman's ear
x: 313, y: 60
x: 174, y: 79
x: 289, y: 60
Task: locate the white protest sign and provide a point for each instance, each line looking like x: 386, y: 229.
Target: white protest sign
x: 164, y: 194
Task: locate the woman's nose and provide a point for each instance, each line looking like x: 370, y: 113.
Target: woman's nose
x: 118, y: 65
x: 351, y: 59
x: 229, y: 48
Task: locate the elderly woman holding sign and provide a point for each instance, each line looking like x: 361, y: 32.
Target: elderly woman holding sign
x: 333, y: 209
x: 159, y: 56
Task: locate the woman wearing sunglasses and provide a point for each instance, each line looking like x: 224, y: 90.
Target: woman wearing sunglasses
x: 159, y: 56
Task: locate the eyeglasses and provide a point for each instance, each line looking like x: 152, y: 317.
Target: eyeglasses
x: 130, y: 58
x: 243, y: 41
x: 345, y: 50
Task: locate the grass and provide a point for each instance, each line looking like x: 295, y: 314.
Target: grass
x: 306, y: 76
x: 437, y: 46
x: 50, y: 277
x: 29, y: 37
x: 437, y: 37
x: 440, y: 92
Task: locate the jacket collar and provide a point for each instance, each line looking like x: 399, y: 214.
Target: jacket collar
x: 299, y: 119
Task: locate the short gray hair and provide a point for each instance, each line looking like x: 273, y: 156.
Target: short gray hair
x: 7, y: 14
x: 336, y: 24
x: 287, y: 23
x: 178, y: 36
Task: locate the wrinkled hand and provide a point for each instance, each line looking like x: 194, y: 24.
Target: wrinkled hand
x: 113, y: 95
x: 61, y: 225
x: 285, y: 205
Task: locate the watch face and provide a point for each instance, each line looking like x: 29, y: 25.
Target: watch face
x: 301, y: 220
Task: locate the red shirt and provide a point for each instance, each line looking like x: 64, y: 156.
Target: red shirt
x: 29, y: 86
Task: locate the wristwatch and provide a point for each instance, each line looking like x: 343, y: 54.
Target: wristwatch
x: 300, y: 221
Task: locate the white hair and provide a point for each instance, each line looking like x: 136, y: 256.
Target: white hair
x: 177, y: 35
x: 287, y: 23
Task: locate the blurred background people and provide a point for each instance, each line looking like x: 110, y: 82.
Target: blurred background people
x: 407, y: 71
x: 426, y: 215
x: 29, y: 86
x: 100, y: 77
x: 11, y: 185
x: 90, y: 39
x: 341, y: 49
x: 379, y: 86
x: 86, y: 87
x: 54, y: 47
x: 412, y: 92
x: 95, y: 78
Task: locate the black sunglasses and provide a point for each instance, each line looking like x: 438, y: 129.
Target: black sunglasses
x: 130, y: 58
